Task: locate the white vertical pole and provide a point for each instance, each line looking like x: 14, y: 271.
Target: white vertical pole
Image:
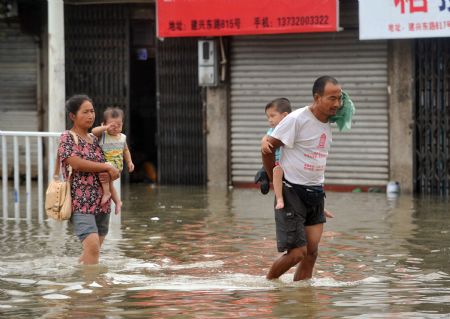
x: 56, y: 66
x: 115, y: 219
x: 51, y: 158
x: 16, y: 178
x: 40, y: 180
x: 28, y: 175
x: 5, y: 177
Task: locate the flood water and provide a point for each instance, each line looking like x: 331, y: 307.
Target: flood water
x: 187, y: 252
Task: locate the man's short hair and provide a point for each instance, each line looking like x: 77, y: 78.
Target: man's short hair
x: 320, y: 83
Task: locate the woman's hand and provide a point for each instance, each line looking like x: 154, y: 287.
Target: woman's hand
x: 113, y: 172
x: 104, y: 177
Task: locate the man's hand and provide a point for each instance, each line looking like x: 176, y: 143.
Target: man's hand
x: 266, y: 146
x: 268, y: 159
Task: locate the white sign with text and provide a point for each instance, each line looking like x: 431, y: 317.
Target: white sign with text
x: 402, y: 19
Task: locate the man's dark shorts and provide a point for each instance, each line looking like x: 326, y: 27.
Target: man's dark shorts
x: 297, y: 213
x: 85, y: 224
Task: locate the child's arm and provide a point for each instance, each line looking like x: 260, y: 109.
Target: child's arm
x: 127, y: 157
x: 98, y: 130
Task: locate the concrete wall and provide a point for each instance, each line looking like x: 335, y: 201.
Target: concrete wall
x: 217, y: 135
x: 401, y: 116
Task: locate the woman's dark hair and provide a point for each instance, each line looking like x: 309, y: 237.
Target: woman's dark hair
x: 281, y: 104
x: 112, y: 112
x: 74, y: 102
x: 319, y: 84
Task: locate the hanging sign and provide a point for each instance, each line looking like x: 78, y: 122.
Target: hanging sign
x: 400, y: 19
x: 190, y: 18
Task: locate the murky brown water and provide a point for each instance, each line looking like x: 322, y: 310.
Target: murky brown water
x: 185, y: 252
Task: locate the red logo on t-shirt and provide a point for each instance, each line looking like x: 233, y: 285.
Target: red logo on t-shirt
x: 323, y: 139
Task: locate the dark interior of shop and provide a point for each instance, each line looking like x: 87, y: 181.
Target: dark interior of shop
x: 143, y: 119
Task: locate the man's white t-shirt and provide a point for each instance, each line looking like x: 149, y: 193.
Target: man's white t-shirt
x: 306, y: 144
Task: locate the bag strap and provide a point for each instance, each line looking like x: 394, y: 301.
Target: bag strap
x: 58, y: 164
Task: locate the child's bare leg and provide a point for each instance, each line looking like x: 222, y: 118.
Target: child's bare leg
x: 106, y: 193
x: 115, y: 198
x: 278, y: 186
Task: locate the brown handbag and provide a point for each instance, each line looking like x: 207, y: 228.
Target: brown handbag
x: 58, y: 198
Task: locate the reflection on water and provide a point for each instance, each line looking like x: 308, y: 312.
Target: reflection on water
x: 186, y: 252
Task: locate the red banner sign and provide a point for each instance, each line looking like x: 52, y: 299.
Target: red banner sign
x: 190, y: 18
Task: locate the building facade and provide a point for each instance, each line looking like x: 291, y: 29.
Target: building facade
x: 194, y: 135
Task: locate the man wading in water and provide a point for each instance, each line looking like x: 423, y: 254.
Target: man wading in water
x: 306, y: 137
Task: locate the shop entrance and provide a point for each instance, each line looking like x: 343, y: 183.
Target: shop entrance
x: 143, y: 112
x: 111, y: 54
x: 432, y: 117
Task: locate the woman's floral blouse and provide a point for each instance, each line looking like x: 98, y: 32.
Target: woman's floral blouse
x: 86, y: 188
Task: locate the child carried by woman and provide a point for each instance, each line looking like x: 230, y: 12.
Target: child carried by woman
x: 115, y: 149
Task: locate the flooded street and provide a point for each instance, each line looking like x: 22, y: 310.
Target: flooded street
x: 188, y: 252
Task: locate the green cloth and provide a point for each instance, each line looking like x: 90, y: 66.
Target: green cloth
x: 343, y: 117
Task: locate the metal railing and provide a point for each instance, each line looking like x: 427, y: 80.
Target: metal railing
x: 32, y: 143
x: 29, y: 142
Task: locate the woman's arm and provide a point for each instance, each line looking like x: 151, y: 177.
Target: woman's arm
x: 83, y: 165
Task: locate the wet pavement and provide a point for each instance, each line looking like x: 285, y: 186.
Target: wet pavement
x: 193, y: 252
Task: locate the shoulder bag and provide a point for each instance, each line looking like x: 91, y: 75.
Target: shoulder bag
x: 58, y: 199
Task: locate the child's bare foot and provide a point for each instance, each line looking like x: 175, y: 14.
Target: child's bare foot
x: 105, y: 198
x: 328, y: 214
x: 118, y: 207
x: 280, y: 204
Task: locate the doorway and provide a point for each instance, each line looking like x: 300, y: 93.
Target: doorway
x: 113, y: 56
x: 432, y: 117
x: 143, y: 112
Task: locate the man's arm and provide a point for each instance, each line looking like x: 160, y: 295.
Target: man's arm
x: 265, y: 145
x: 268, y: 159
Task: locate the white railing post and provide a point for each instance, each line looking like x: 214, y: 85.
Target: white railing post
x: 5, y: 178
x: 51, y: 159
x: 28, y: 175
x: 115, y: 219
x: 16, y: 179
x: 40, y: 180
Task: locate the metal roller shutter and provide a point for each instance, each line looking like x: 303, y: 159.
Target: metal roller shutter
x: 267, y: 67
x: 19, y: 55
x: 96, y: 48
x: 19, y: 70
x: 181, y: 138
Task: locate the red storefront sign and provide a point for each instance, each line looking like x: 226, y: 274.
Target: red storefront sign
x: 190, y: 18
